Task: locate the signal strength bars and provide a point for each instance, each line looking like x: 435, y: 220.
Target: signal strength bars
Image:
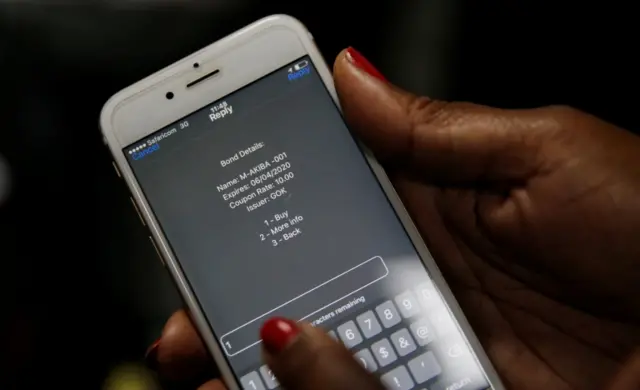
x: 137, y: 148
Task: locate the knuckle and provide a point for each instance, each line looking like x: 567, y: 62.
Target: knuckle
x: 422, y: 111
x: 564, y: 123
x: 424, y: 115
x: 565, y: 116
x: 563, y: 109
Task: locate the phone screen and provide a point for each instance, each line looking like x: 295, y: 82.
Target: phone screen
x: 271, y: 209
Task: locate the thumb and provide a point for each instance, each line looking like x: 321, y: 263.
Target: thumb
x: 306, y: 358
x: 445, y: 141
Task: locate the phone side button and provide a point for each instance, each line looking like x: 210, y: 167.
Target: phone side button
x: 115, y: 166
x: 135, y: 206
x: 157, y: 251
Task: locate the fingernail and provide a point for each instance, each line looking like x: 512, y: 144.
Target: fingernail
x: 277, y: 333
x: 151, y: 356
x: 360, y: 62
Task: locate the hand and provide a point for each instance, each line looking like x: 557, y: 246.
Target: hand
x: 533, y: 217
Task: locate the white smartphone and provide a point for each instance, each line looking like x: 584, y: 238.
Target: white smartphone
x: 261, y: 203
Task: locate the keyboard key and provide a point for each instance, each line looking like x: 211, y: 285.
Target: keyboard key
x: 428, y: 296
x: 464, y: 381
x: 442, y: 322
x: 457, y: 349
x: 333, y: 335
x: 388, y: 314
x: 349, y: 334
x: 422, y: 332
x: 269, y: 378
x: 251, y: 381
x: 407, y: 304
x: 424, y: 367
x: 366, y: 360
x: 454, y: 354
x: 383, y: 352
x: 403, y: 342
x: 397, y: 379
x: 368, y: 324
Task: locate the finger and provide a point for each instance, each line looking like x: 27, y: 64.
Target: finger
x: 306, y: 358
x: 448, y: 141
x: 213, y: 384
x: 179, y: 354
x: 629, y: 376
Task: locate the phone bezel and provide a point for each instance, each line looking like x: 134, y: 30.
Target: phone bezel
x: 242, y: 57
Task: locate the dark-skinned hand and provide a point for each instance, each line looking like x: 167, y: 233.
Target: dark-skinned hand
x: 533, y: 217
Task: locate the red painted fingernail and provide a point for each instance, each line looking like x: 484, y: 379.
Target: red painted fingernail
x: 276, y: 334
x: 151, y: 356
x: 359, y: 61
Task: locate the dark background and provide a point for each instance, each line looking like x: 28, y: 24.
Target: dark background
x: 82, y: 290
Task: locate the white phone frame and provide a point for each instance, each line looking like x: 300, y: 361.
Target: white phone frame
x: 242, y: 57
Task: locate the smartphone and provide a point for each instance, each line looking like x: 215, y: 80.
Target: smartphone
x: 261, y: 203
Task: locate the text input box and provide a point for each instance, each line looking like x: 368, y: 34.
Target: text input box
x: 305, y: 305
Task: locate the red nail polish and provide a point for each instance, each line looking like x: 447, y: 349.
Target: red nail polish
x: 358, y: 60
x: 276, y: 333
x: 151, y: 356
